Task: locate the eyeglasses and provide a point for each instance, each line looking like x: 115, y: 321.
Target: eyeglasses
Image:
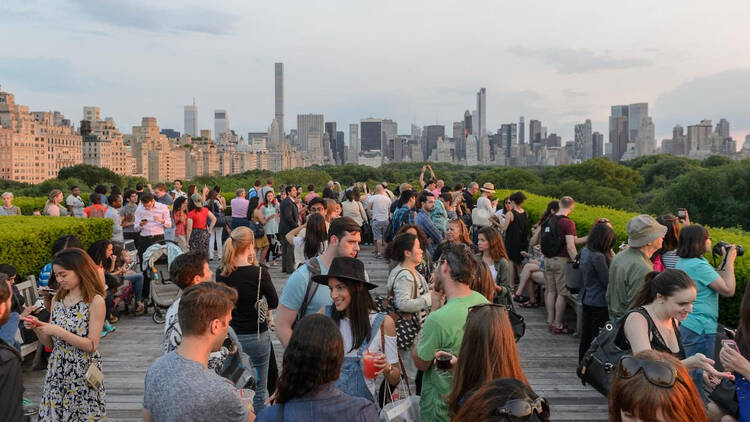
x: 520, y: 408
x: 660, y: 374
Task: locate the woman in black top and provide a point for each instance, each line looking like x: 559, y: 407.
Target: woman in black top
x: 514, y: 227
x: 256, y: 295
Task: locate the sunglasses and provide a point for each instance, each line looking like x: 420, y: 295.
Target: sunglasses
x: 602, y: 220
x: 523, y: 409
x: 482, y: 305
x: 660, y: 374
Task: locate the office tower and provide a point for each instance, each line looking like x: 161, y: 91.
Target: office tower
x: 746, y: 145
x: 472, y: 151
x: 475, y: 124
x: 645, y: 143
x: 583, y: 149
x: 458, y: 130
x: 698, y: 137
x: 354, y: 146
x: 341, y: 148
x: 279, y: 97
x: 416, y: 131
x: 508, y: 133
x: 273, y: 133
x: 221, y: 123
x: 330, y: 132
x: 459, y: 140
x: 678, y: 144
x: 91, y: 114
x: 468, y: 127
x: 431, y: 135
x: 390, y: 130
x: 521, y: 131
x: 482, y: 112
x: 191, y: 120
x: 314, y: 141
x: 722, y: 128
x: 305, y: 123
x: 535, y: 131
x: 371, y: 134
x: 619, y: 134
x: 597, y: 145
x: 636, y: 113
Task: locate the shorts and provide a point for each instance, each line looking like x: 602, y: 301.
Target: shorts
x: 378, y: 229
x: 554, y: 275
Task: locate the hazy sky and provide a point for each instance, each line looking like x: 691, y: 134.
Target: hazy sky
x: 413, y: 61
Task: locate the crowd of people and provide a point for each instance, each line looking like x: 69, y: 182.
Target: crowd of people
x: 440, y: 340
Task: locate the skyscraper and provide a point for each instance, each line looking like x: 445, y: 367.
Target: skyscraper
x: 191, y: 120
x: 521, y: 131
x: 330, y: 128
x: 390, y: 130
x: 371, y: 134
x: 353, y: 143
x: 221, y: 122
x: 279, y: 97
x: 507, y: 133
x: 468, y: 127
x: 305, y: 123
x: 722, y: 128
x: 535, y: 131
x: 582, y: 144
x: 597, y: 145
x: 431, y: 135
x: 636, y: 113
x: 482, y: 113
x: 618, y: 131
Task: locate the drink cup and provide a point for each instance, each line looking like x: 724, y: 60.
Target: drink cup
x: 443, y: 361
x: 368, y: 359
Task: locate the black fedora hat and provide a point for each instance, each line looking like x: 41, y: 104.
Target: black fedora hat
x: 345, y: 268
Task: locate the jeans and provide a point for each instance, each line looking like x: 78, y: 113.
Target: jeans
x: 287, y: 255
x: 215, y: 237
x: 10, y: 328
x: 258, y: 347
x: 136, y: 280
x: 697, y: 343
x: 169, y: 232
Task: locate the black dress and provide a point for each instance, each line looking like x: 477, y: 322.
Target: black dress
x: 515, y: 236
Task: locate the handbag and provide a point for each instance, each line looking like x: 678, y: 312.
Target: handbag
x: 94, y: 376
x: 404, y: 410
x: 406, y: 323
x: 238, y: 369
x: 480, y: 217
x: 221, y: 218
x: 600, y: 361
x: 517, y: 323
x: 725, y: 396
x: 261, y: 304
x: 385, y: 392
x: 573, y: 275
x: 257, y: 228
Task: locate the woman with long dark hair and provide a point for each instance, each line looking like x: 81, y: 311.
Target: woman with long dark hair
x: 179, y: 213
x: 255, y: 214
x: 594, y: 269
x: 666, y: 257
x: 533, y: 270
x: 425, y: 267
x: 213, y: 203
x: 364, y: 330
x: 312, y: 363
x: 514, y: 226
x: 504, y: 400
x: 492, y: 252
x: 73, y: 334
x: 101, y: 252
x: 310, y: 244
x: 200, y: 222
x: 270, y: 210
x: 488, y: 351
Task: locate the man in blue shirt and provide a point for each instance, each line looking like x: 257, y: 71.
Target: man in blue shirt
x: 344, y: 236
x: 405, y: 214
x: 426, y: 205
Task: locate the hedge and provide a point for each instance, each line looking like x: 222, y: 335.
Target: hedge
x: 27, y: 241
x: 586, y: 215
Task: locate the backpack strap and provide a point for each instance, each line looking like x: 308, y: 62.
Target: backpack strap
x: 390, y: 292
x: 313, y: 267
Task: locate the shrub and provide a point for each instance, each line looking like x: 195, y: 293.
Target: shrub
x: 27, y: 241
x: 586, y: 215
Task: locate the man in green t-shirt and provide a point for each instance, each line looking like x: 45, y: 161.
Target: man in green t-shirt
x: 444, y: 329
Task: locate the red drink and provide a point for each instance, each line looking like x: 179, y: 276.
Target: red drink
x: 368, y: 359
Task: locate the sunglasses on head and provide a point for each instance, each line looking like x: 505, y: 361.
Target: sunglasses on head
x: 523, y: 409
x: 482, y: 305
x: 660, y: 374
x: 602, y: 220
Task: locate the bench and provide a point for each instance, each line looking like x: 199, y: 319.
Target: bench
x: 29, y: 292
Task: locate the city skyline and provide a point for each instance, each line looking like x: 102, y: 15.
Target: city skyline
x: 559, y: 74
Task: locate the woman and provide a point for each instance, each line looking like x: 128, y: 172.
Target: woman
x: 409, y: 294
x: 492, y: 252
x: 123, y: 265
x: 488, y: 351
x: 533, y: 270
x: 364, y: 331
x: 666, y: 257
x: 594, y: 269
x: 305, y: 390
x: 446, y: 197
x: 503, y: 208
x: 179, y: 214
x: 191, y: 189
x: 504, y: 400
x: 312, y: 242
x: 699, y: 329
x: 653, y: 386
x: 455, y: 232
x: 200, y: 222
x: 425, y: 267
x: 255, y: 296
x: 270, y: 212
x: 483, y: 283
x: 651, y: 323
x: 101, y: 254
x: 54, y: 207
x: 214, y: 206
x: 8, y: 206
x: 353, y: 208
x: 514, y: 227
x: 73, y: 334
x: 255, y: 214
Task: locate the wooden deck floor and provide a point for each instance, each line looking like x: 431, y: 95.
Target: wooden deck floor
x: 549, y: 361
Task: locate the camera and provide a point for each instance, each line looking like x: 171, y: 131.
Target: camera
x: 720, y: 248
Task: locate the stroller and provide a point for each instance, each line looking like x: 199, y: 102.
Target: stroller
x: 156, y: 260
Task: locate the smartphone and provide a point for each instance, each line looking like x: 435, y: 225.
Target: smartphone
x: 731, y: 344
x: 681, y: 212
x: 31, y: 321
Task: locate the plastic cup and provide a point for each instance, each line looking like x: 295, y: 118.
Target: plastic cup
x: 368, y: 360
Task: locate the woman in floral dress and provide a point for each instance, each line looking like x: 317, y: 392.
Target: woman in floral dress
x: 73, y: 334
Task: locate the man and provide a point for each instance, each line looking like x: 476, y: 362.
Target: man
x: 160, y: 194
x: 113, y: 213
x: 239, y: 209
x: 468, y: 195
x: 127, y: 212
x: 629, y: 267
x: 151, y: 218
x: 255, y: 191
x: 75, y: 203
x: 11, y: 381
x: 332, y: 190
x: 178, y: 385
x: 444, y: 328
x: 438, y: 188
x: 426, y: 205
x: 177, y: 191
x: 388, y: 192
x: 378, y: 206
x: 96, y: 209
x: 267, y: 188
x: 397, y: 203
x: 405, y: 214
x: 556, y: 262
x: 310, y: 193
x: 139, y: 190
x: 288, y: 220
x: 301, y: 296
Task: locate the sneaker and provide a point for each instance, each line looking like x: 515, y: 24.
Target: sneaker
x: 377, y: 256
x: 104, y: 333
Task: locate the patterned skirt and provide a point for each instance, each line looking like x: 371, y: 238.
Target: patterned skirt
x: 199, y: 240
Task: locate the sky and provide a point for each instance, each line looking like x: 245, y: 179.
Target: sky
x: 420, y: 62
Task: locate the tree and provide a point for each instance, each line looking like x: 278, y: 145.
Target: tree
x: 91, y: 175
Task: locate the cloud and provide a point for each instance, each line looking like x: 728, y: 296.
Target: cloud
x: 720, y: 95
x: 572, y: 93
x: 134, y: 14
x: 42, y: 74
x: 568, y: 60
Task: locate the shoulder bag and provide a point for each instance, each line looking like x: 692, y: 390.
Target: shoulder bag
x: 600, y: 361
x: 573, y: 275
x: 407, y: 324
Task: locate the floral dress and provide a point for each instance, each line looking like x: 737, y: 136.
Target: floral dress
x: 66, y: 396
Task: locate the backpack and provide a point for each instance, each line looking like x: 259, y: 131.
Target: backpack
x: 550, y: 240
x: 313, y: 267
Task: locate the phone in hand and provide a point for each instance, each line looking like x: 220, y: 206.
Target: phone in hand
x: 32, y: 321
x: 681, y: 213
x: 730, y: 344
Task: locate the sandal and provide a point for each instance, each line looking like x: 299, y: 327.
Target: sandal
x: 564, y: 330
x: 520, y: 298
x: 529, y: 304
x: 140, y: 309
x: 113, y: 319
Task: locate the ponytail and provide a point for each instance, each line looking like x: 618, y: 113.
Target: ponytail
x: 240, y: 239
x: 665, y: 283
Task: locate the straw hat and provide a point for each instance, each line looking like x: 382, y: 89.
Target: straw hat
x: 488, y: 187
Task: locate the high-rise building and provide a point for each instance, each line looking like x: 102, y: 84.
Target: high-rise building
x: 482, y: 112
x: 340, y: 147
x: 390, y: 130
x: 508, y: 133
x: 279, y: 98
x: 468, y: 120
x: 475, y: 124
x: 619, y: 134
x: 221, y: 122
x: 698, y: 138
x: 722, y: 128
x: 305, y: 123
x: 354, y: 146
x: 330, y: 133
x: 92, y: 114
x: 597, y: 145
x: 191, y: 120
x: 521, y: 130
x: 636, y: 113
x: 431, y: 135
x: 583, y: 149
x: 535, y: 131
x: 371, y: 131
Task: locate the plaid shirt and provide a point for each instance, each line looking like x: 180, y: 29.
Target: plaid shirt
x: 424, y: 221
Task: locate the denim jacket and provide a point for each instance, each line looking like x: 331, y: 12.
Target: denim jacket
x: 328, y: 403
